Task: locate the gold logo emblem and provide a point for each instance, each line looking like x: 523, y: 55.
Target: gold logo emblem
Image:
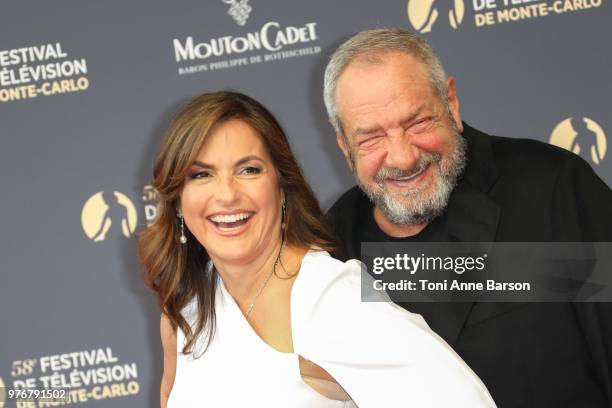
x: 107, y: 213
x: 582, y: 136
x: 423, y: 14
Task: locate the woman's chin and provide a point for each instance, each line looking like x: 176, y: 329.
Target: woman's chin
x: 234, y: 256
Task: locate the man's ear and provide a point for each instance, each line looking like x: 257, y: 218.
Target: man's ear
x: 453, y: 102
x: 345, y: 150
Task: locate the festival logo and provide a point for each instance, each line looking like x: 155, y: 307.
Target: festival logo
x: 239, y: 10
x: 438, y: 15
x: 40, y: 70
x: 74, y: 378
x: 424, y: 14
x: 108, y: 213
x: 582, y: 136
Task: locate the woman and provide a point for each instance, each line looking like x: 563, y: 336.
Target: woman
x: 254, y: 310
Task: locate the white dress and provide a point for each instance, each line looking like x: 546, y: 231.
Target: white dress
x: 382, y: 355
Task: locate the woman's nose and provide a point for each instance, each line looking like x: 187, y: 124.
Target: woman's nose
x: 227, y: 191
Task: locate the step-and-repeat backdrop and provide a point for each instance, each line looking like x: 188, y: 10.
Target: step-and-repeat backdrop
x: 88, y: 87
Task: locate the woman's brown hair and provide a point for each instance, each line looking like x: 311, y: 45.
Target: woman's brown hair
x: 177, y: 272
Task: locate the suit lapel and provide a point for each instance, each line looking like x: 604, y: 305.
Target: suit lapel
x: 471, y: 216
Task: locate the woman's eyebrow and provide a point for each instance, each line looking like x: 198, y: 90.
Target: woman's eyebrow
x: 202, y: 165
x: 240, y: 162
x: 248, y: 159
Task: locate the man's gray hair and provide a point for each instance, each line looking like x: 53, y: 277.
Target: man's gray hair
x: 370, y: 45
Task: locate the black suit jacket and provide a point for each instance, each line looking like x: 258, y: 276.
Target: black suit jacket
x: 528, y: 354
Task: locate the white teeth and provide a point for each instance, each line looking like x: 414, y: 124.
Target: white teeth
x: 411, y: 177
x: 230, y: 218
x: 229, y: 229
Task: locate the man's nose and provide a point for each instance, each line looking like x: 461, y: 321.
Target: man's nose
x: 401, y: 153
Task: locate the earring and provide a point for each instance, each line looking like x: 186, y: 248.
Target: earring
x: 182, y: 238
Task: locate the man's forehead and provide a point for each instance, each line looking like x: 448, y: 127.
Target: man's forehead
x: 390, y: 67
x: 385, y: 110
x: 397, y: 82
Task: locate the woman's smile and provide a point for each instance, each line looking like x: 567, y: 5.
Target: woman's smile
x: 231, y: 223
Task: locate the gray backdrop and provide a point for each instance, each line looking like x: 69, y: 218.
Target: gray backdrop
x: 87, y: 89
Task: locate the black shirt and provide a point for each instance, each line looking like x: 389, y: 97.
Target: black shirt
x: 367, y: 230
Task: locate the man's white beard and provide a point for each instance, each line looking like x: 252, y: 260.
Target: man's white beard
x: 410, y: 208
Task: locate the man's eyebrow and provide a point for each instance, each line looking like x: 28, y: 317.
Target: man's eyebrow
x: 367, y: 131
x: 410, y: 118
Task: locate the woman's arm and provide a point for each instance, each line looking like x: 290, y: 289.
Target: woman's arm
x: 168, y: 339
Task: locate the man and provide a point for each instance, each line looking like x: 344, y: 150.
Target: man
x: 424, y: 175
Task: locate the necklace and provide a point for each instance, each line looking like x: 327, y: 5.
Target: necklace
x: 261, y: 288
